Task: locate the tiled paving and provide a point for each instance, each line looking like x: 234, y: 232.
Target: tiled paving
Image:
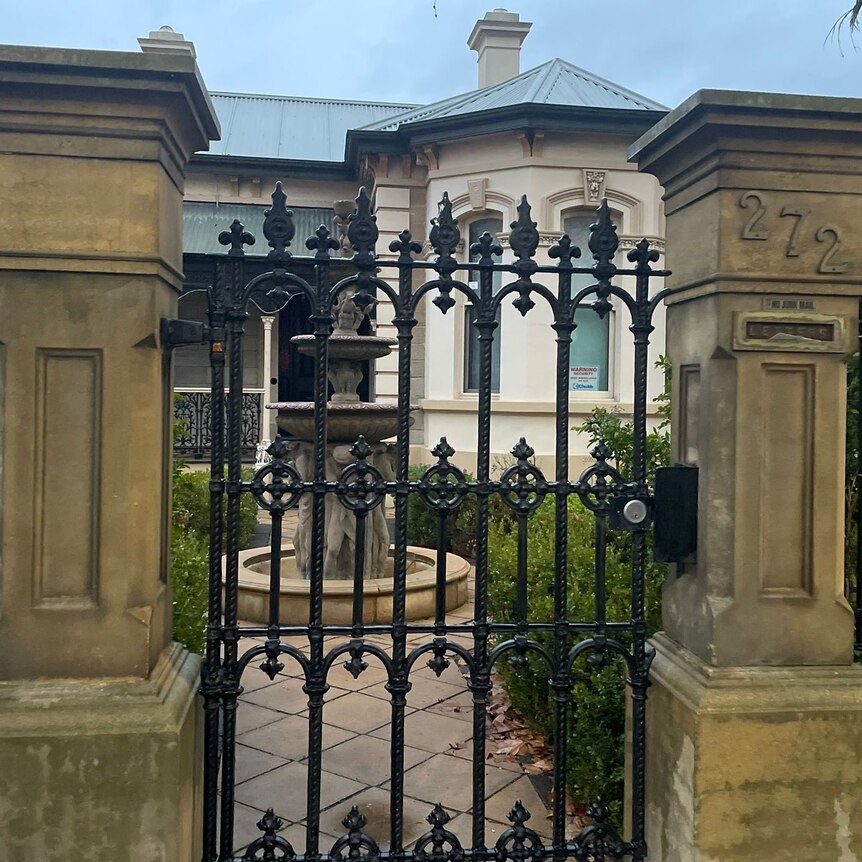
x: 272, y: 743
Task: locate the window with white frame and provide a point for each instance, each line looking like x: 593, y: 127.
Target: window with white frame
x: 589, y: 358
x: 494, y: 226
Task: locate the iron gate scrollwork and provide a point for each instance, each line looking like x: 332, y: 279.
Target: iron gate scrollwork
x: 194, y: 435
x: 279, y: 487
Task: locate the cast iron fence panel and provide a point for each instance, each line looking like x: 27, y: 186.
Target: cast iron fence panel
x: 192, y: 414
x: 278, y: 487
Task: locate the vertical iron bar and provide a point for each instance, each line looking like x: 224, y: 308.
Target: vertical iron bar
x: 404, y: 320
x: 600, y: 584
x: 235, y: 320
x: 316, y: 686
x: 561, y: 686
x: 480, y: 679
x: 641, y: 329
x: 440, y: 587
x: 275, y: 573
x: 521, y: 598
x: 210, y: 681
x: 358, y: 574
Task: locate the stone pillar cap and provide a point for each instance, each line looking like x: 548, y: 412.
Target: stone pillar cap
x: 87, y: 75
x: 745, y: 110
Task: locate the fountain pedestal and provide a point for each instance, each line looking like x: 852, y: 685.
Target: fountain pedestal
x: 347, y: 419
x: 341, y: 522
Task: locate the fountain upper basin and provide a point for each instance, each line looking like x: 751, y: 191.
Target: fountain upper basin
x: 357, y: 347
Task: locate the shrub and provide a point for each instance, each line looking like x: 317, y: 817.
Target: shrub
x: 597, y: 711
x: 595, y: 747
x: 609, y: 426
x: 189, y: 586
x: 422, y: 521
x: 190, y: 551
x: 191, y: 507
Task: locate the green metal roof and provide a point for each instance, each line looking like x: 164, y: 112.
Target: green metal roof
x: 291, y: 127
x: 553, y: 83
x: 203, y: 222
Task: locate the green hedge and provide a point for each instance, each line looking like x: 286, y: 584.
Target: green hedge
x: 595, y: 747
x: 191, y: 506
x: 189, y: 584
x: 597, y: 710
x: 190, y: 551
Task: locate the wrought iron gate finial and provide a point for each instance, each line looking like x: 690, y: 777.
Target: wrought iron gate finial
x: 236, y: 237
x: 278, y: 226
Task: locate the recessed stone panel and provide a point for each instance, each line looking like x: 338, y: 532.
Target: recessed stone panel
x: 67, y: 478
x: 786, y: 479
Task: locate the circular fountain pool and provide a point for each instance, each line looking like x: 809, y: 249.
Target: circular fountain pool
x: 253, y: 599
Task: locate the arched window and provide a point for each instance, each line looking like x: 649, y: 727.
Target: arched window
x: 494, y: 226
x: 589, y: 358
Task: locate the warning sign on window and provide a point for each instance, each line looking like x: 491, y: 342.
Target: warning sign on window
x: 583, y: 378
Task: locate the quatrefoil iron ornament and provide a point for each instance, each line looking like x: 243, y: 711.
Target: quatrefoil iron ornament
x: 442, y: 484
x: 277, y: 486
x: 523, y: 485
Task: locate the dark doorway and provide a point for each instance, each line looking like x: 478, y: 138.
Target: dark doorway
x: 296, y: 371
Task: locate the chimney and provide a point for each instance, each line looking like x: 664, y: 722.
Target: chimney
x: 166, y: 41
x: 497, y: 39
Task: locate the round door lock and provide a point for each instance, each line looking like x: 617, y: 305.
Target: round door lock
x: 635, y: 511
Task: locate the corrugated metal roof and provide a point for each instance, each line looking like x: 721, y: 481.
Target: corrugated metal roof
x: 553, y: 83
x: 203, y: 222
x: 291, y: 127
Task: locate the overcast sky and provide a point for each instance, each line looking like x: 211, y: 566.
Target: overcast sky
x: 399, y: 50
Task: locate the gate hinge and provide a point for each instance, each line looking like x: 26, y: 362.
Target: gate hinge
x: 175, y: 333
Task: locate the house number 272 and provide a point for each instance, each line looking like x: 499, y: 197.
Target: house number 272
x: 756, y: 228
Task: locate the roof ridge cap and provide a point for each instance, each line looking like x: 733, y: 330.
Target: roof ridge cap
x: 428, y: 107
x: 541, y: 79
x: 616, y: 88
x: 285, y: 98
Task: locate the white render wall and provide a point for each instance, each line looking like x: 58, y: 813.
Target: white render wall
x: 500, y: 169
x: 553, y: 178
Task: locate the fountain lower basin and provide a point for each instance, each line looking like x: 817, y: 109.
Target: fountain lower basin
x: 253, y: 598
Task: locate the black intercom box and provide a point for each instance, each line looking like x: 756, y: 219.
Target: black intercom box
x: 675, y: 513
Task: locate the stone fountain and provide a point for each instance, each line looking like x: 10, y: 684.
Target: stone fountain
x: 347, y: 419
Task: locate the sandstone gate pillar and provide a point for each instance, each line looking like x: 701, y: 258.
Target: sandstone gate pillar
x: 98, y: 723
x: 755, y: 713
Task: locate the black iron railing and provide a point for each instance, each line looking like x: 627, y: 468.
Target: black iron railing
x: 236, y: 652
x: 193, y: 424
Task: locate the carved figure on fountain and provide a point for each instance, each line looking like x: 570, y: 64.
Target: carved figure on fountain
x: 340, y: 522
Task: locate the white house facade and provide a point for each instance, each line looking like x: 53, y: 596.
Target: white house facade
x: 557, y: 134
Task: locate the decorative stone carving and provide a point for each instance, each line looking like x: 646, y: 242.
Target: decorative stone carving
x: 348, y: 315
x: 594, y: 185
x: 343, y: 210
x: 476, y: 190
x: 340, y: 523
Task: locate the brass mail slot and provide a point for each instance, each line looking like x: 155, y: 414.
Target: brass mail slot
x: 789, y: 331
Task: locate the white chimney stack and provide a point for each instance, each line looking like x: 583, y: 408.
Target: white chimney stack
x: 497, y: 39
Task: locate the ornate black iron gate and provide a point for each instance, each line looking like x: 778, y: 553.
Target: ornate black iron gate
x: 236, y: 651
